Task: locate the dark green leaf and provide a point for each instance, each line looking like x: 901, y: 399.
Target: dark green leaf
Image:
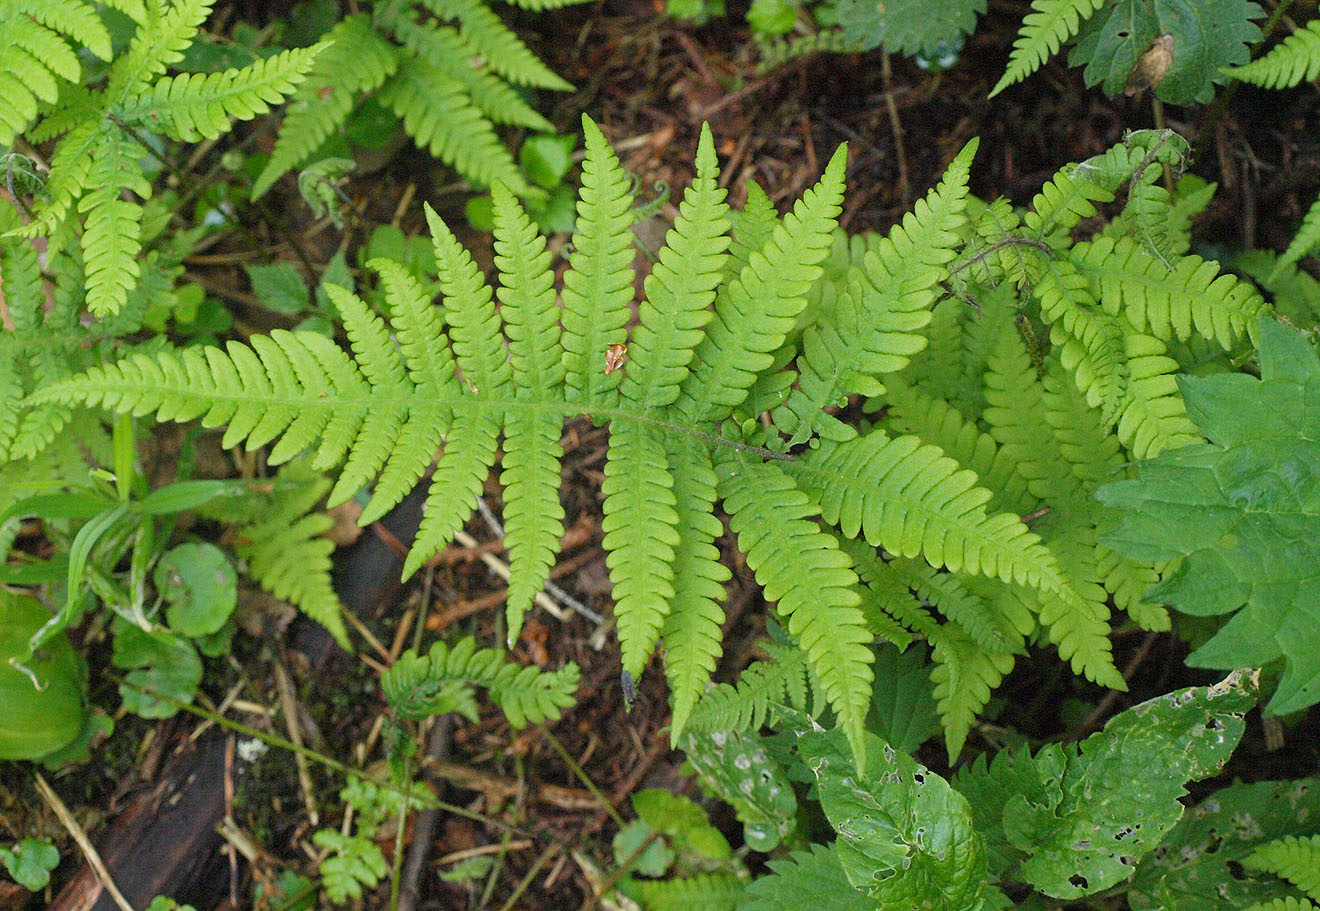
x: 1074, y: 820
x: 279, y: 287
x: 908, y: 26
x: 1207, y: 35
x: 1199, y: 865
x: 1244, y: 511
x: 905, y: 836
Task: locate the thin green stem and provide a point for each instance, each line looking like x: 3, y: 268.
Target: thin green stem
x: 330, y: 763
x: 582, y: 776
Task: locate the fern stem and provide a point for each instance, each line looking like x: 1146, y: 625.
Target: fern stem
x: 1013, y: 240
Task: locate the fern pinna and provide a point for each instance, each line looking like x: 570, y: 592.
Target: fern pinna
x: 95, y: 171
x: 715, y: 330
x: 447, y: 68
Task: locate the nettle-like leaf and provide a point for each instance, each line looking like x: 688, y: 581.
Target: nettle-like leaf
x: 1074, y: 820
x: 1240, y: 512
x: 1199, y: 866
x: 906, y: 838
x: 1207, y: 36
x: 908, y: 26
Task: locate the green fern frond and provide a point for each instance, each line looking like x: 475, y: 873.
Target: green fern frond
x: 598, y: 286
x: 708, y: 891
x: 1194, y: 295
x: 447, y: 50
x: 35, y: 52
x: 1291, y: 63
x: 1015, y: 408
x: 112, y: 232
x: 418, y: 686
x: 639, y: 494
x: 537, y: 6
x: 284, y: 545
x: 1063, y: 201
x: 692, y: 630
x: 874, y: 329
x: 940, y: 424
x: 913, y: 500
x: 357, y: 60
x: 782, y: 679
x: 1129, y: 581
x: 964, y: 676
x: 196, y: 106
x: 1294, y: 859
x: 1090, y: 341
x: 438, y: 114
x: 802, y: 569
x: 947, y: 592
x: 1076, y: 618
x: 890, y: 608
x: 1148, y: 210
x: 679, y: 289
x: 752, y: 227
x: 502, y: 50
x: 533, y: 515
x: 1046, y: 27
x: 1287, y: 903
x: 160, y: 43
x: 762, y: 304
x: 1304, y: 241
x: 1153, y: 417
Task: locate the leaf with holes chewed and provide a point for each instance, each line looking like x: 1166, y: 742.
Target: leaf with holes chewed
x: 905, y: 836
x: 736, y: 768
x: 1074, y: 820
x: 1199, y: 865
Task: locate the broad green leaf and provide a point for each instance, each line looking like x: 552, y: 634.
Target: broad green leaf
x: 159, y: 664
x: 1207, y: 35
x: 41, y: 698
x: 652, y: 860
x: 905, y: 837
x: 908, y: 26
x: 736, y: 768
x: 1074, y: 820
x: 1244, y: 512
x: 682, y: 821
x: 199, y: 586
x: 903, y: 701
x: 30, y: 861
x: 1199, y: 865
x: 279, y: 287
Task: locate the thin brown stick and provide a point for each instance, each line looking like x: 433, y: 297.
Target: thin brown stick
x: 80, y: 836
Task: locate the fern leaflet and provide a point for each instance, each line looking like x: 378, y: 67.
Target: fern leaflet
x: 1291, y: 63
x: 418, y: 686
x: 1046, y: 27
